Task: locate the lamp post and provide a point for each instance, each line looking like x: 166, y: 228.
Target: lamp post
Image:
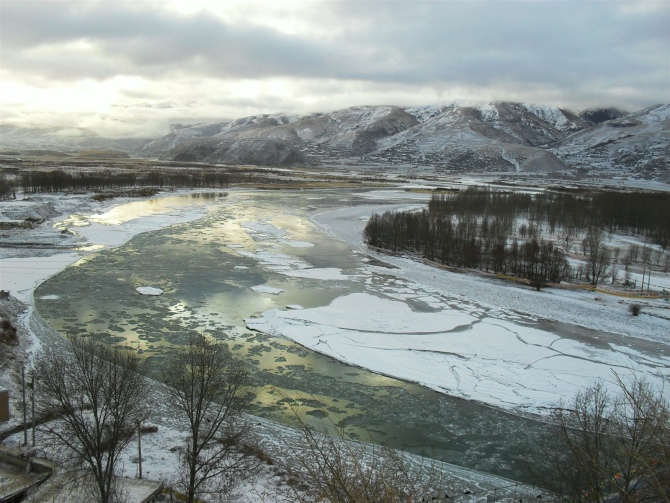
x: 32, y: 404
x: 139, y: 447
x: 23, y: 387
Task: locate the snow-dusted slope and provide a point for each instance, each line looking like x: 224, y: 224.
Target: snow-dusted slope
x: 481, y: 137
x: 253, y: 151
x: 637, y: 143
x: 180, y: 133
x: 449, y: 137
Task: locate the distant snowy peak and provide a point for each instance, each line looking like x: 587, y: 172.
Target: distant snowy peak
x: 517, y: 123
x: 562, y: 120
x: 655, y: 114
x: 634, y: 144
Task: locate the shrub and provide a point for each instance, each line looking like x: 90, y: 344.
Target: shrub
x: 8, y: 332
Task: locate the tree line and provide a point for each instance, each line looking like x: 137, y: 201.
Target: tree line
x: 58, y: 180
x: 504, y: 232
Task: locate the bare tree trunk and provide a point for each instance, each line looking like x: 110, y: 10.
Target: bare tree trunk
x: 98, y: 393
x: 208, y: 387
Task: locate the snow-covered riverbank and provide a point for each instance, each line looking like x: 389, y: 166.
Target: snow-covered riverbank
x: 477, y: 338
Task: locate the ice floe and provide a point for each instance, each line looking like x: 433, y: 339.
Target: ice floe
x: 267, y: 289
x: 149, y: 290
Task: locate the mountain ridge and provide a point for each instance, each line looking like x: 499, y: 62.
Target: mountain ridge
x: 493, y: 137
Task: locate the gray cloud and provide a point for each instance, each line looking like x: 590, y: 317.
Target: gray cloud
x: 570, y: 52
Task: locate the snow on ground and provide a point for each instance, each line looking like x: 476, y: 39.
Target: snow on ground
x: 485, y: 340
x: 21, y: 275
x: 582, y: 308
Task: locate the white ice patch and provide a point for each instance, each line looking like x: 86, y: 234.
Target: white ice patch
x: 149, y: 290
x: 491, y: 360
x: 259, y: 230
x: 298, y: 244
x: 267, y: 289
x: 294, y: 267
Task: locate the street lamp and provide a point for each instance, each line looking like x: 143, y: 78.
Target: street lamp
x: 139, y: 446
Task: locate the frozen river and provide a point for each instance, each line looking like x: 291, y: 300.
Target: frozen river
x: 297, y: 302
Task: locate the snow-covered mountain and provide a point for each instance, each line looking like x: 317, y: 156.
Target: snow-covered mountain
x: 451, y: 137
x: 495, y: 137
x: 637, y: 143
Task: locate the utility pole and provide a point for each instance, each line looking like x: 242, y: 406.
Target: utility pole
x: 23, y: 387
x: 139, y: 446
x: 32, y: 396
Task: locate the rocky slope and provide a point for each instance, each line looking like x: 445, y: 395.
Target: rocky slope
x: 254, y: 151
x: 634, y: 144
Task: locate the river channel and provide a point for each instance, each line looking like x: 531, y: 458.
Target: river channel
x: 207, y: 269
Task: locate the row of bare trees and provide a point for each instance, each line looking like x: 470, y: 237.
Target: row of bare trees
x: 566, y: 211
x: 476, y: 229
x: 59, y: 180
x: 100, y: 398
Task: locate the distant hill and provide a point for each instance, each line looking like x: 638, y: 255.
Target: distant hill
x: 63, y: 139
x: 457, y: 137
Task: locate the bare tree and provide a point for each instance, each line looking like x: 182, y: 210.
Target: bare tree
x: 597, y: 255
x: 96, y: 393
x: 207, y: 385
x: 627, y: 262
x: 614, y: 270
x: 640, y: 429
x: 610, y: 446
x: 646, y: 260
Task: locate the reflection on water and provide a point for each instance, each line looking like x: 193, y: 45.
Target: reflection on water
x: 207, y: 268
x: 138, y: 209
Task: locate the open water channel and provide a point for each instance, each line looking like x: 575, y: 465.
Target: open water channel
x: 207, y: 269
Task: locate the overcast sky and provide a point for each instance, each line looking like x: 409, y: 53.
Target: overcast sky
x: 132, y: 67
